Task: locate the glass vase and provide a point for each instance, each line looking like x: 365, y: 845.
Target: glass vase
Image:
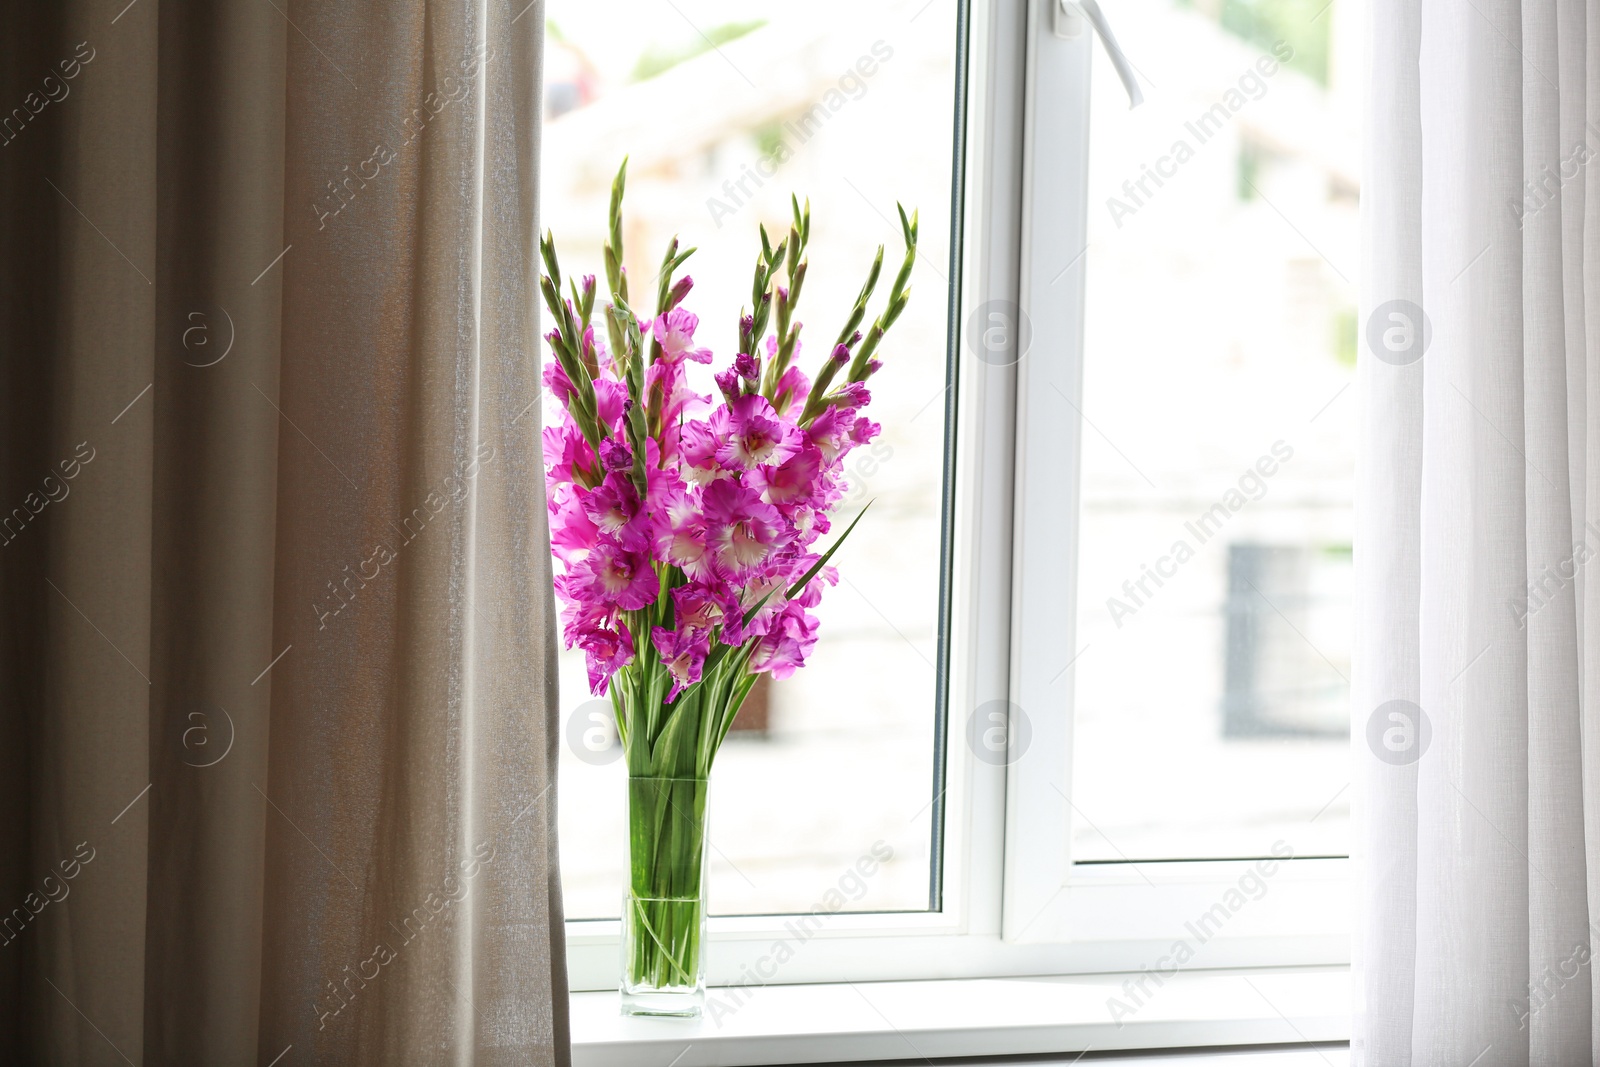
x: 664, y: 910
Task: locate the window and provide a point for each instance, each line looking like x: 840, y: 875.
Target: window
x: 1067, y: 741
x: 1217, y: 452
x: 726, y: 109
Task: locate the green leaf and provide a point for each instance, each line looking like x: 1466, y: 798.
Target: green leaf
x: 822, y: 561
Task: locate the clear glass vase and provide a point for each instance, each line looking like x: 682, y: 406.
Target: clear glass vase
x: 664, y: 910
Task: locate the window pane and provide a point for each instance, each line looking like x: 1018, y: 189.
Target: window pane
x: 1214, y: 569
x: 724, y: 108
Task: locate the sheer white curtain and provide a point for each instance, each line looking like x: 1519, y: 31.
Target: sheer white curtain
x: 1478, y: 682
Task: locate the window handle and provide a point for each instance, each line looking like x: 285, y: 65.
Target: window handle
x: 1073, y: 17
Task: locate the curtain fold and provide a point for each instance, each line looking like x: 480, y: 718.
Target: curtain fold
x: 1477, y: 845
x: 278, y: 755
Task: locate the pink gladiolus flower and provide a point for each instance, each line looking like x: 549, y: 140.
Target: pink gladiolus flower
x: 863, y: 430
x: 701, y: 607
x: 566, y: 453
x: 756, y: 435
x: 762, y: 600
x: 611, y: 401
x: 790, y: 395
x: 615, y: 455
x: 572, y: 532
x: 793, y: 481
x: 606, y: 650
x: 681, y: 536
x: 556, y: 380
x: 827, y: 432
x: 728, y: 384
x: 736, y: 492
x: 787, y: 644
x: 674, y: 332
x: 854, y: 395
x: 807, y: 522
x: 614, y: 509
x: 811, y: 595
x: 741, y: 529
x: 683, y: 653
x: 697, y: 447
x: 619, y: 576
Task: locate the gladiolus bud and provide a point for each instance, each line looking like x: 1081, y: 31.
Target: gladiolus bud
x: 680, y: 289
x: 854, y: 395
x: 615, y: 455
x: 728, y: 384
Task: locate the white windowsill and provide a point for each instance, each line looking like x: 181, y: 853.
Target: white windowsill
x: 974, y: 1017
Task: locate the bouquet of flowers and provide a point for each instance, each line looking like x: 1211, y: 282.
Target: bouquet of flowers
x: 687, y: 535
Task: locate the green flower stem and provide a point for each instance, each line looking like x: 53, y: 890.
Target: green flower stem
x: 665, y: 909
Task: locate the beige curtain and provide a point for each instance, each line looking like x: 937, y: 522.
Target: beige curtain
x: 277, y: 761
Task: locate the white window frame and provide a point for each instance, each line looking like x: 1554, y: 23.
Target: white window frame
x: 1013, y: 903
